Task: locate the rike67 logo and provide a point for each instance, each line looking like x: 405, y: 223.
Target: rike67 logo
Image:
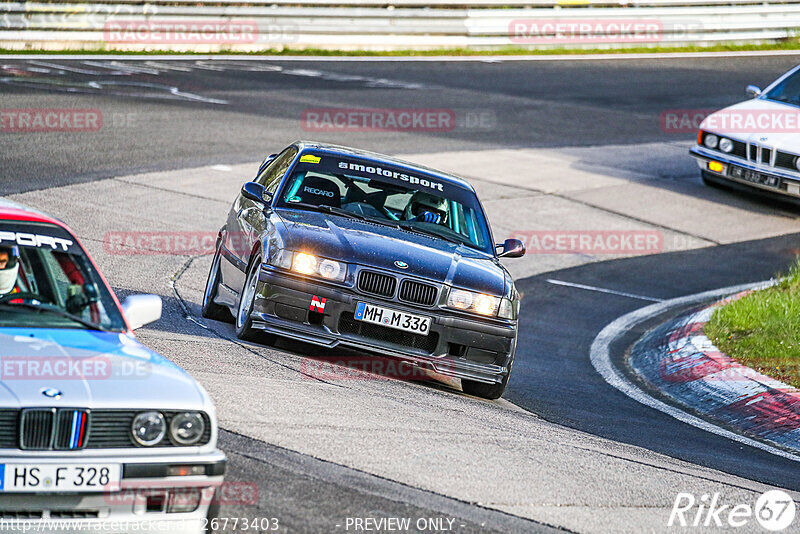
x: 774, y: 511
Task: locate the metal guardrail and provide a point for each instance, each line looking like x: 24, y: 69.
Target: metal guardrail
x: 217, y: 26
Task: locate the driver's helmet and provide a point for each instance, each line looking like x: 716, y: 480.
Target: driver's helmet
x: 421, y: 202
x: 9, y: 268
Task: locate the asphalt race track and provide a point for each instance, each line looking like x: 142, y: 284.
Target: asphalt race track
x: 549, y: 145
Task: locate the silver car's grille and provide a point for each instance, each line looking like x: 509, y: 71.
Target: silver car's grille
x: 70, y: 429
x: 8, y: 429
x: 36, y: 429
x: 376, y: 283
x: 418, y: 293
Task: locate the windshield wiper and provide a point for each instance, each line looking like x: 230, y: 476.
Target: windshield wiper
x: 346, y: 213
x: 430, y: 233
x: 48, y: 308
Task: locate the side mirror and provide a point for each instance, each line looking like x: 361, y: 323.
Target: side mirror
x: 142, y: 309
x: 512, y: 248
x: 256, y: 192
x: 753, y: 91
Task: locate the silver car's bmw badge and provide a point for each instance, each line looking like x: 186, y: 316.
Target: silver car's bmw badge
x: 52, y: 393
x: 401, y: 264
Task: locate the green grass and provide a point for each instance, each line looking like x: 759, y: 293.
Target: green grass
x: 762, y: 330
x: 789, y: 44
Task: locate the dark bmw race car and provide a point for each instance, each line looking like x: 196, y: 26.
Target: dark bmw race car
x: 335, y: 246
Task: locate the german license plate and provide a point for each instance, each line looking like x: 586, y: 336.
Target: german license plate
x: 59, y: 477
x: 755, y: 177
x: 399, y: 320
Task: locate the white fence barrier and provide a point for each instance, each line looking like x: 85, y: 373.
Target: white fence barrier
x: 219, y: 26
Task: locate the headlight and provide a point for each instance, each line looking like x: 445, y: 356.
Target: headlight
x: 711, y: 141
x: 148, y: 428
x: 461, y: 299
x: 797, y: 163
x: 726, y: 145
x: 187, y: 428
x: 304, y: 263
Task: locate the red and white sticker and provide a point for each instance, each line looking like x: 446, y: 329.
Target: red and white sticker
x: 317, y: 304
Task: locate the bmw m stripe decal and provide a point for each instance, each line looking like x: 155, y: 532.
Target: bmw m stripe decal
x: 78, y: 429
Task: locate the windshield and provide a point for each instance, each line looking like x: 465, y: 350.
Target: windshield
x: 46, y: 281
x: 786, y: 91
x: 396, y: 197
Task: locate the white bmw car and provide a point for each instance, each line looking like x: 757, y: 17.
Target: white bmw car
x: 755, y: 144
x: 97, y: 432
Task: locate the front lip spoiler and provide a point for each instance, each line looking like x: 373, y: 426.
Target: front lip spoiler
x: 487, y: 373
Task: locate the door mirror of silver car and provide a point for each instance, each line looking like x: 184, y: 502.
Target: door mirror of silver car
x: 753, y: 91
x: 141, y: 310
x: 255, y: 192
x: 511, y: 248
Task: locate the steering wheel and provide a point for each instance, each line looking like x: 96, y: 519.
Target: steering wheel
x: 23, y: 295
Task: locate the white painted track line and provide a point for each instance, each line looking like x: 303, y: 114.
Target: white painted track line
x: 603, y: 290
x: 600, y: 355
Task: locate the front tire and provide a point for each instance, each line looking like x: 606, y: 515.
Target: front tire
x: 212, y: 310
x: 247, y: 296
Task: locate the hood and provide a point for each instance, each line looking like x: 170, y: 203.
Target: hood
x: 91, y: 370
x: 379, y: 246
x: 765, y: 122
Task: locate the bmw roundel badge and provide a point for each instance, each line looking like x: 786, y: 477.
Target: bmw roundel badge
x: 401, y: 264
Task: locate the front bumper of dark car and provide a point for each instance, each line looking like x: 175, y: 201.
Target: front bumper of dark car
x: 787, y: 182
x: 459, y: 347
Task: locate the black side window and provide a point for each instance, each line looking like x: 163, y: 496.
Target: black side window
x: 271, y: 176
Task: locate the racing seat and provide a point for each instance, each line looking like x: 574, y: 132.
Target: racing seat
x: 319, y: 191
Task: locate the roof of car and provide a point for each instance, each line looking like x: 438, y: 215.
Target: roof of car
x: 19, y: 212
x: 374, y: 156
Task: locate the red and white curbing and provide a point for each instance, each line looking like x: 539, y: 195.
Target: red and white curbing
x: 679, y: 360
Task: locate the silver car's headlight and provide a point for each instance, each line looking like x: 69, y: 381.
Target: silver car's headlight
x: 187, y: 428
x: 726, y: 145
x: 461, y: 299
x: 711, y: 141
x: 305, y: 263
x: 148, y: 428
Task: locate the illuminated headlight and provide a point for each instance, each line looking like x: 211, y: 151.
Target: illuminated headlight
x: 711, y: 141
x: 304, y: 263
x: 461, y: 299
x: 726, y: 145
x: 148, y: 428
x: 187, y: 428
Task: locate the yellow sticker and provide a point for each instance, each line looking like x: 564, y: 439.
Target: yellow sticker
x: 309, y: 158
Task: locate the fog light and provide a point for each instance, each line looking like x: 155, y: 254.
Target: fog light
x: 715, y: 166
x: 183, y: 500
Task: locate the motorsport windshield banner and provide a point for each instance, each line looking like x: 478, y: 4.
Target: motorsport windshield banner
x: 37, y: 235
x: 385, y: 173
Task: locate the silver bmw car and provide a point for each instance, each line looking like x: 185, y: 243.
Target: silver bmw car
x: 94, y: 427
